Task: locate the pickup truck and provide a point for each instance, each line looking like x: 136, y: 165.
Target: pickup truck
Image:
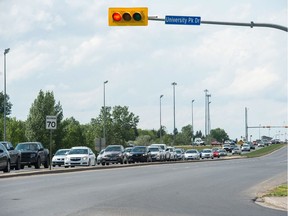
x: 33, y: 153
x: 198, y: 141
x: 15, y: 155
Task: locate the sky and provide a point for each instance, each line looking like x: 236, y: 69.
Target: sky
x: 67, y: 47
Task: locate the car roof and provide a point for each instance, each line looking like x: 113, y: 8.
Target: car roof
x: 80, y: 147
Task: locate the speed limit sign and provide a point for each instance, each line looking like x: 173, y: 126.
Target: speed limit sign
x: 51, y: 122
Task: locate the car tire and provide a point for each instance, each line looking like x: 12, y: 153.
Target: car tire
x: 8, y: 168
x: 22, y: 166
x: 18, y: 164
x: 107, y: 164
x: 38, y: 163
x: 103, y: 164
x: 46, y: 164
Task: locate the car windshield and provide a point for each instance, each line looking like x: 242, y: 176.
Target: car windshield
x: 206, y: 150
x: 27, y: 147
x: 78, y: 151
x: 113, y: 148
x: 191, y: 151
x: 61, y: 152
x: 128, y: 149
x: 153, y: 149
x: 138, y: 149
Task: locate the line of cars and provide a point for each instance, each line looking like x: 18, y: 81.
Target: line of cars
x: 34, y: 154
x: 26, y: 153
x: 114, y: 154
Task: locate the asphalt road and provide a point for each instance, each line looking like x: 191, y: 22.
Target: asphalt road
x: 217, y: 188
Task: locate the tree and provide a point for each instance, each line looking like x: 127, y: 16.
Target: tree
x: 42, y: 106
x: 120, y: 126
x: 124, y: 125
x: 72, y: 134
x: 184, y: 137
x: 16, y: 131
x: 8, y: 105
x: 219, y: 134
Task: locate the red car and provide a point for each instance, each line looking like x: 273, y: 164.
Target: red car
x: 216, y: 154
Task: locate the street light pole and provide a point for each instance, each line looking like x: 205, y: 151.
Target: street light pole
x: 174, y: 130
x: 5, y: 100
x: 160, y: 120
x: 104, y: 128
x: 209, y: 120
x: 206, y: 91
x: 192, y: 126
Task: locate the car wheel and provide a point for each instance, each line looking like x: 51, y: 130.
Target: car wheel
x: 89, y: 163
x: 18, y: 164
x: 66, y: 166
x: 22, y: 166
x: 46, y: 164
x: 8, y: 168
x: 107, y: 164
x: 103, y: 164
x: 38, y: 163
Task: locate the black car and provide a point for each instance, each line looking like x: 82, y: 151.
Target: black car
x: 15, y: 155
x: 4, y: 159
x: 113, y: 154
x: 140, y: 154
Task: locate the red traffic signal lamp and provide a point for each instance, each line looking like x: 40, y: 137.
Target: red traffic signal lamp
x: 128, y: 16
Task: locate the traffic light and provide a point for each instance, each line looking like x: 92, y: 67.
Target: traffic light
x: 128, y: 16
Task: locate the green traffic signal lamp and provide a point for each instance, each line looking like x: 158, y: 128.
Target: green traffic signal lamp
x: 128, y: 16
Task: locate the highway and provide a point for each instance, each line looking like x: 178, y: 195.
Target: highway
x: 220, y: 188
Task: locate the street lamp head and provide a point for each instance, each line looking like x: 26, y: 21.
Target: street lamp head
x: 161, y: 96
x: 193, y: 101
x: 174, y: 83
x: 106, y: 82
x: 6, y: 51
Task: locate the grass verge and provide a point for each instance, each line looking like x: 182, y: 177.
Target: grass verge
x: 280, y: 191
x: 264, y: 151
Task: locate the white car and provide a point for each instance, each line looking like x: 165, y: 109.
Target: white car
x: 245, y: 147
x: 191, y: 154
x: 207, y: 153
x: 80, y: 156
x: 58, y: 158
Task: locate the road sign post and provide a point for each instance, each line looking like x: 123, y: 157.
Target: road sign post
x: 51, y: 124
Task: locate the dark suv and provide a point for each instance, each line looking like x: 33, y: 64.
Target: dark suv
x: 33, y: 153
x: 113, y: 154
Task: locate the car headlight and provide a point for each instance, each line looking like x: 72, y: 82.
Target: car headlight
x: 85, y: 158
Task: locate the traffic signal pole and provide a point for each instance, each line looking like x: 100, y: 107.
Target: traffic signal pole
x: 251, y: 24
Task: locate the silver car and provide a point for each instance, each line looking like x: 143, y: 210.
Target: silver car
x: 58, y: 158
x: 192, y: 154
x: 236, y: 150
x: 207, y: 153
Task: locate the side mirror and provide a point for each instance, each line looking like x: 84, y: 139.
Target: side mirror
x: 1, y: 151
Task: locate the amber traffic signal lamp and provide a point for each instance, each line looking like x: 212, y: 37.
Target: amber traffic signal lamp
x: 128, y: 16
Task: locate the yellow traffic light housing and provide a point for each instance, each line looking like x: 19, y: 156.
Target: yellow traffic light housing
x: 128, y: 16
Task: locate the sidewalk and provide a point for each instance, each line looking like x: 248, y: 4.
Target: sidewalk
x: 280, y: 203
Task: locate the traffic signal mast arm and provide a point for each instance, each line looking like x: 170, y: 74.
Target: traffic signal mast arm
x: 251, y: 24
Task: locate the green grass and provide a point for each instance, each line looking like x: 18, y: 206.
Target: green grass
x: 264, y: 150
x: 280, y: 191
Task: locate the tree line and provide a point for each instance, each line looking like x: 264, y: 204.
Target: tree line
x: 120, y: 126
